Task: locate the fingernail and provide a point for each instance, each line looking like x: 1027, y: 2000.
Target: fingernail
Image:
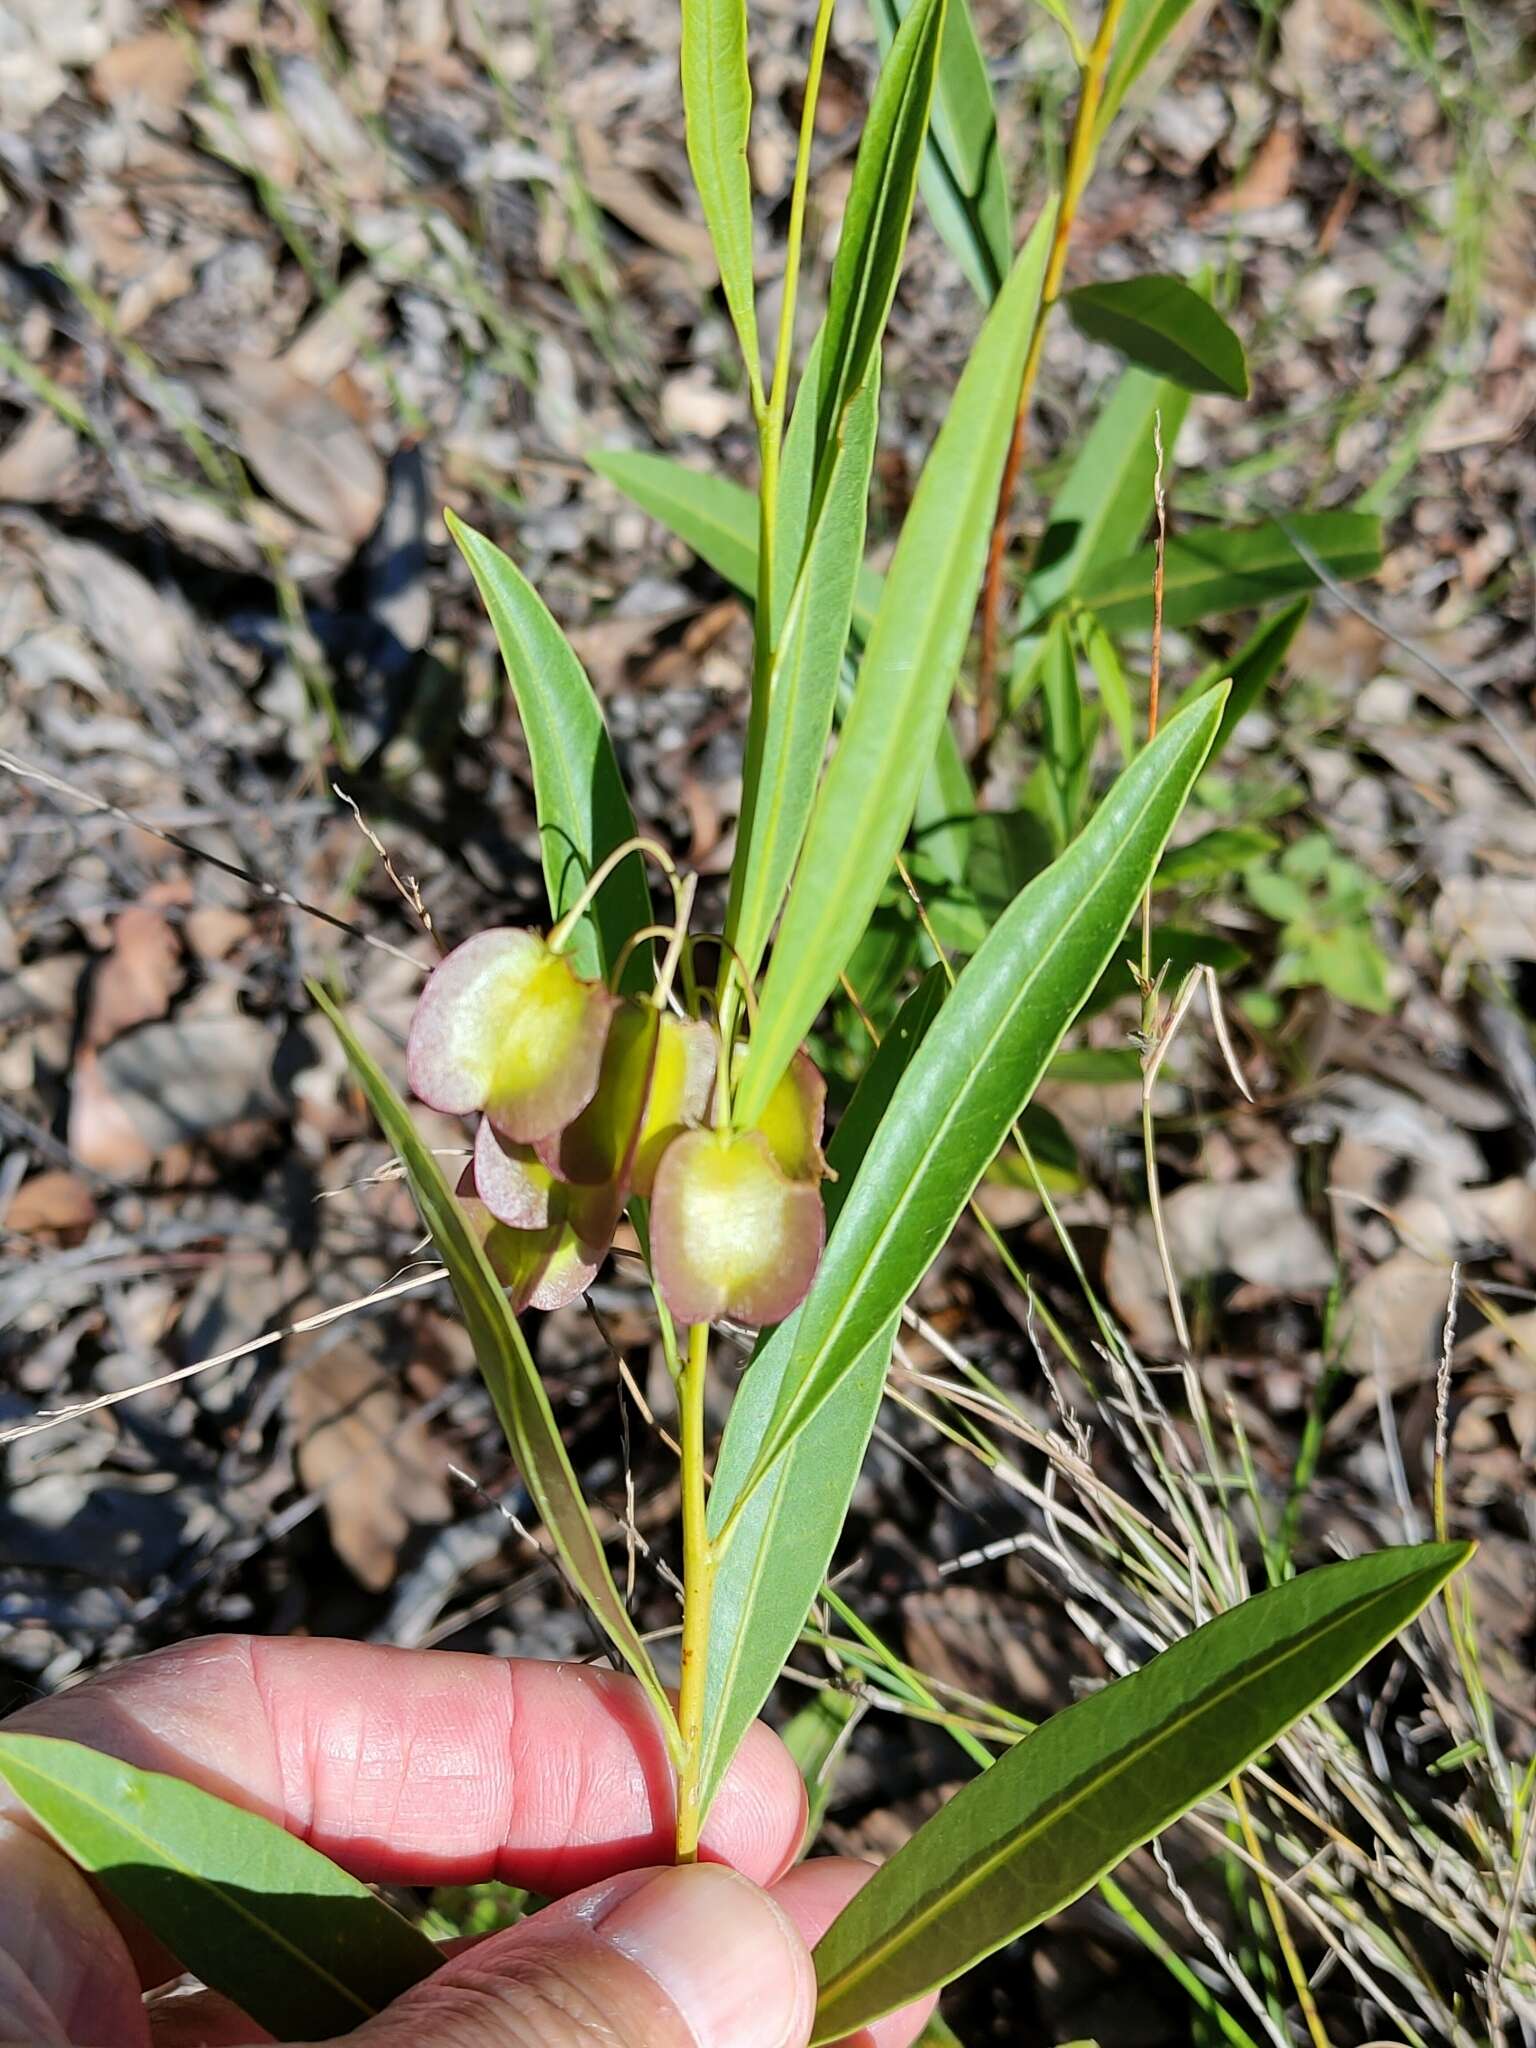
x: 723, y: 1952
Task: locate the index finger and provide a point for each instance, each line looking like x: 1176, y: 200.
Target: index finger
x: 429, y: 1766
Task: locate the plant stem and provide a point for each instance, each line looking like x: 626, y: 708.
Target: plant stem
x: 699, y: 1561
x: 770, y: 440
x: 1079, y: 168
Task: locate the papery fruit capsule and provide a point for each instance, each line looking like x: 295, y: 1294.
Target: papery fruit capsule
x: 546, y: 1268
x: 731, y: 1234
x: 794, y: 1117
x: 505, y: 1025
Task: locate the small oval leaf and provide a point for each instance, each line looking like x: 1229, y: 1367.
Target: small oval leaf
x: 1161, y: 325
x: 260, y: 1916
x: 1106, y: 1774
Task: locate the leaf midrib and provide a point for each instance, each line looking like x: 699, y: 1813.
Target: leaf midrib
x: 939, y: 1132
x: 911, y: 1929
x: 158, y: 1854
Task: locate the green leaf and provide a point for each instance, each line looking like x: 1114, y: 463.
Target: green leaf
x: 1109, y: 1066
x: 1252, y: 668
x: 717, y: 112
x: 1216, y: 570
x: 1105, y: 505
x: 578, y: 791
x: 507, y: 1366
x: 717, y: 518
x: 963, y: 181
x: 894, y: 724
x: 876, y: 219
x: 813, y: 1737
x: 1107, y: 1774
x: 1215, y: 856
x: 785, y: 1535
x: 1160, y: 325
x: 1144, y: 27
x: 977, y: 1068
x: 299, y: 1945
x: 1066, y: 754
x: 779, y: 787
x: 1114, y: 691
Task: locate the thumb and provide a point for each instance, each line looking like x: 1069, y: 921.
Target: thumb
x: 690, y: 1958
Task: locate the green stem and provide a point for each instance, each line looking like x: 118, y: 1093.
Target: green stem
x: 770, y: 431
x: 699, y: 1562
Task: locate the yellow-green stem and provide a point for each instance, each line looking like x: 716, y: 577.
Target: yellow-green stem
x: 698, y: 1593
x: 770, y: 433
x: 1081, y: 150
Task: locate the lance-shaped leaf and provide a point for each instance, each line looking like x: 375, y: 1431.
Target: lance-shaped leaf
x: 507, y: 1366
x: 260, y: 1916
x: 1161, y: 325
x: 964, y: 185
x: 1144, y: 28
x: 978, y: 1066
x: 1107, y: 1774
x: 784, y: 1538
x: 717, y: 116
x: 1105, y: 505
x: 779, y: 784
x: 1252, y: 667
x: 718, y: 519
x: 578, y: 792
x: 1221, y: 569
x: 899, y: 708
x: 875, y: 222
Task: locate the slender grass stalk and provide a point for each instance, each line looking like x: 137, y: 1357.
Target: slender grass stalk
x: 1283, y: 1937
x: 1081, y: 150
x: 699, y: 1561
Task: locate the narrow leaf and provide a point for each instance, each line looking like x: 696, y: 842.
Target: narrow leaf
x: 783, y: 1542
x: 260, y: 1916
x: 1105, y: 505
x: 780, y: 786
x: 578, y: 792
x: 507, y: 1366
x: 717, y: 518
x: 1218, y: 570
x: 1107, y: 1774
x: 1144, y: 28
x: 1252, y: 668
x: 717, y: 114
x: 1114, y: 691
x: 1067, y: 752
x: 893, y: 726
x: 978, y: 1066
x: 876, y: 218
x: 963, y: 183
x: 1160, y: 325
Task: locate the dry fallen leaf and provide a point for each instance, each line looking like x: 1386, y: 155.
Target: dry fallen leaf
x: 1266, y: 182
x: 135, y: 982
x: 305, y: 449
x: 54, y: 1203
x: 377, y: 1464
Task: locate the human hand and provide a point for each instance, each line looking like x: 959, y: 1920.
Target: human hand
x: 427, y: 1767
